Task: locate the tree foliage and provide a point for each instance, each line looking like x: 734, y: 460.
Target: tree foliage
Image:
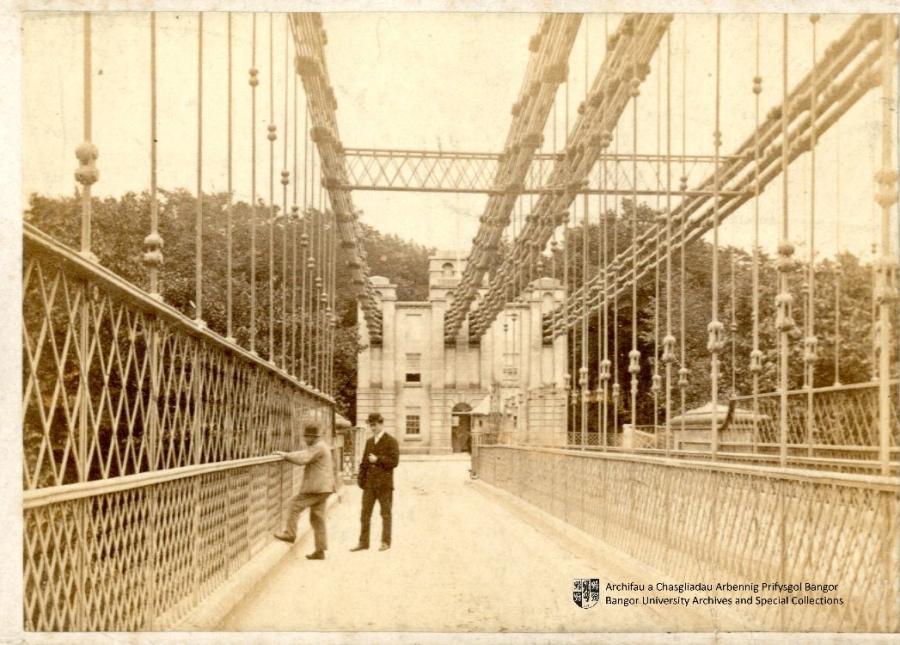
x: 119, y: 226
x: 852, y: 342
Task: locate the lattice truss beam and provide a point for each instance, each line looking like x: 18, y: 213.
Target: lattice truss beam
x: 309, y: 41
x: 847, y: 71
x: 547, y: 68
x: 624, y: 68
x: 442, y: 171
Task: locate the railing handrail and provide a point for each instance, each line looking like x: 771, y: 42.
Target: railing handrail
x: 817, y: 390
x: 881, y: 482
x: 54, y: 494
x: 42, y: 242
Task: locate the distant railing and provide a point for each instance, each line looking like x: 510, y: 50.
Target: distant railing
x: 841, y: 434
x: 147, y: 474
x: 709, y: 522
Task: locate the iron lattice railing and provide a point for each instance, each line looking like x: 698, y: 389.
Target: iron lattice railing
x: 704, y: 522
x: 146, y: 475
x: 843, y: 434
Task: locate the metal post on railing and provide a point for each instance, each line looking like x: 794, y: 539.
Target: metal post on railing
x: 196, y: 431
x: 784, y: 322
x: 86, y: 175
x: 81, y: 514
x: 885, y: 266
x: 152, y: 438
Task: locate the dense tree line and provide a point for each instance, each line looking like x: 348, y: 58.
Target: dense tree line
x: 120, y: 224
x: 845, y: 272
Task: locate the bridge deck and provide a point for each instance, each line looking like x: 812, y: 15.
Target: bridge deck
x: 463, y: 560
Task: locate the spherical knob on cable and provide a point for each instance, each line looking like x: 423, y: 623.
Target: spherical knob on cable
x: 634, y: 362
x: 153, y: 244
x: 254, y: 77
x: 756, y: 361
x: 716, y: 333
x: 285, y: 177
x: 668, y: 355
x: 886, y: 195
x: 152, y: 259
x: 785, y: 262
x: 86, y: 152
x: 810, y: 349
x: 604, y: 369
x: 635, y: 88
x: 783, y: 319
x: 271, y: 136
x: 757, y: 84
x: 86, y: 173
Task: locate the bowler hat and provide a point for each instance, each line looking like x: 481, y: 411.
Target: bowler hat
x: 375, y: 418
x: 311, y: 431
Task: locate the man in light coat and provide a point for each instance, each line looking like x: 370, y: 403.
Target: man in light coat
x: 318, y: 484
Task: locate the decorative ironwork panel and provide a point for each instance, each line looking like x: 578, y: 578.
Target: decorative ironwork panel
x: 143, y: 557
x: 52, y: 316
x: 123, y: 399
x: 117, y: 552
x: 726, y: 522
x: 114, y: 386
x: 52, y: 563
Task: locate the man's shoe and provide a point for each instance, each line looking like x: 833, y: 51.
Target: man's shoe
x: 316, y: 555
x: 360, y: 547
x: 284, y: 537
x: 384, y: 547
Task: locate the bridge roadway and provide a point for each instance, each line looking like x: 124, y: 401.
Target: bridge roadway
x: 465, y: 558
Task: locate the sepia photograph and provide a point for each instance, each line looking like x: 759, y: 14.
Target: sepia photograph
x: 598, y: 309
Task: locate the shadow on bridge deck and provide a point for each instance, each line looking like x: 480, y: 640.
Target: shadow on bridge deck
x: 464, y: 559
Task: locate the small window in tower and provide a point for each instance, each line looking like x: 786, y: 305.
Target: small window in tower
x: 413, y: 368
x: 448, y: 270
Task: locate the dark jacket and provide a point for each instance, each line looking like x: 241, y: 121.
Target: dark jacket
x: 381, y: 473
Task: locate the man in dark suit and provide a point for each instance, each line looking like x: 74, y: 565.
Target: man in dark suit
x: 376, y: 478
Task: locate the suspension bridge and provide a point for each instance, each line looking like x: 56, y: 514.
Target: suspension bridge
x: 611, y: 369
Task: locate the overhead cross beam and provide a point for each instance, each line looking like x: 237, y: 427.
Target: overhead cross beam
x: 309, y: 42
x: 547, y: 69
x: 837, y: 88
x: 623, y: 70
x: 440, y: 171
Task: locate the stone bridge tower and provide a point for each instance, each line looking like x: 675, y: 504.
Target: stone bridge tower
x: 424, y: 387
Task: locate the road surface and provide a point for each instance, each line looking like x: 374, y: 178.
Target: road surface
x: 462, y: 560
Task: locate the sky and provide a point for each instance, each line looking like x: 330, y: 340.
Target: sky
x: 429, y: 81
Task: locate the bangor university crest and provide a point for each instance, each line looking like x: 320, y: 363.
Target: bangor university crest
x: 586, y: 592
